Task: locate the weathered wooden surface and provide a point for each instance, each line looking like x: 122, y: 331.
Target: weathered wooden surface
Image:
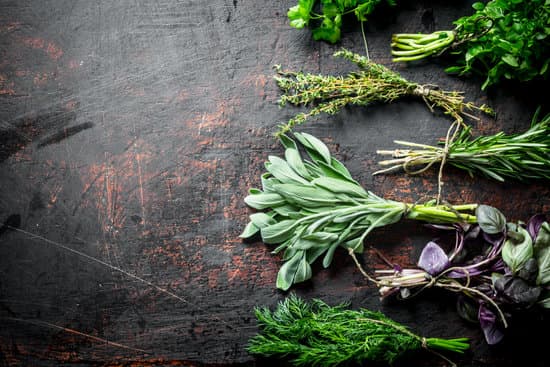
x: 130, y: 133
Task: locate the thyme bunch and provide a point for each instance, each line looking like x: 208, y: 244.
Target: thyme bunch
x: 310, y: 207
x: 373, y: 83
x: 522, y: 156
x: 317, y: 334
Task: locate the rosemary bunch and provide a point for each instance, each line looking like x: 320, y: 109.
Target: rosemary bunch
x: 317, y: 334
x: 373, y: 83
x: 503, y: 39
x: 312, y: 207
x: 521, y: 156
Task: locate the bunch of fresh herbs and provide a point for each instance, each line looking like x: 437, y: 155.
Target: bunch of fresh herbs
x: 373, y: 83
x: 316, y: 334
x: 312, y: 207
x: 503, y: 39
x: 499, y: 268
x: 522, y: 156
x: 326, y: 16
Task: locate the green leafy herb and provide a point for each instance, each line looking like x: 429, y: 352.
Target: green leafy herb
x: 317, y: 334
x: 522, y: 156
x: 314, y: 206
x: 373, y: 83
x: 327, y: 22
x: 503, y: 39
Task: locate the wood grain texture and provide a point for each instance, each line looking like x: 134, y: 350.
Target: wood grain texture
x: 131, y: 130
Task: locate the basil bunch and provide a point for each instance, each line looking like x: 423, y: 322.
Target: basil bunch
x: 499, y: 268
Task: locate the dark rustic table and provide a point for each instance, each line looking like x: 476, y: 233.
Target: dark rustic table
x: 130, y: 131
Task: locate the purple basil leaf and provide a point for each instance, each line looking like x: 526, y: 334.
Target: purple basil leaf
x: 534, y: 224
x: 433, y: 259
x: 517, y: 291
x: 488, y: 322
x: 466, y: 308
x: 529, y: 271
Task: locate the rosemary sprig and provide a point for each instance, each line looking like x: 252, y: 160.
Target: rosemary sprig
x: 521, y: 156
x: 373, y: 83
x: 317, y: 334
x: 312, y: 207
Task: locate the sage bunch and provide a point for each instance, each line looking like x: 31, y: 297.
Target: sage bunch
x: 311, y: 207
x: 373, y: 83
x: 521, y: 156
x: 316, y: 334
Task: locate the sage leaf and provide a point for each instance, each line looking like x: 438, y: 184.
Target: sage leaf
x: 281, y: 170
x: 249, y: 231
x: 264, y: 200
x: 490, y: 219
x: 542, y: 253
x: 517, y: 249
x: 278, y: 232
x: 287, y: 274
x: 339, y: 186
x: 262, y: 220
x: 327, y: 260
x: 310, y: 142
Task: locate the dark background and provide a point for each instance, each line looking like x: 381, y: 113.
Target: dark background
x: 131, y: 130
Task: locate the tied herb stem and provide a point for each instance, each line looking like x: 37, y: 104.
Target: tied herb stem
x: 522, y: 156
x: 373, y: 83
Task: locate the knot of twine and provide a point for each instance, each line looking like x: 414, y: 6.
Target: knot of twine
x: 424, y: 343
x: 422, y: 90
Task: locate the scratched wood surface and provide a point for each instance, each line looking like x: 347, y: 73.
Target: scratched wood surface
x: 131, y: 130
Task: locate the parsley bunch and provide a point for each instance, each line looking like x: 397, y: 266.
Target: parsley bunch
x: 327, y: 22
x: 503, y: 39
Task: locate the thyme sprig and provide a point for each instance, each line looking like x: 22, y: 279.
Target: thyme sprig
x: 312, y: 207
x: 521, y: 156
x: 373, y: 83
x: 314, y: 333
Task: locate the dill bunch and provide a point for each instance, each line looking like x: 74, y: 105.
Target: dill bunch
x: 521, y: 156
x: 373, y: 83
x: 317, y: 334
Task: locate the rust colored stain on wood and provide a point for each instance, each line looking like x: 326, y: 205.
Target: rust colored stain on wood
x: 131, y: 132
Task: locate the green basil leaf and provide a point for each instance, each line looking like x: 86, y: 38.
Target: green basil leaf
x: 278, y: 232
x: 517, y: 249
x: 490, y: 219
x: 542, y: 253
